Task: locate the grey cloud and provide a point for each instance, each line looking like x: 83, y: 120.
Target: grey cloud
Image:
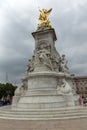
x: 18, y: 42
x: 73, y: 39
x: 18, y: 45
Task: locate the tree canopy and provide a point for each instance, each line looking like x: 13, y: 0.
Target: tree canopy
x: 7, y: 89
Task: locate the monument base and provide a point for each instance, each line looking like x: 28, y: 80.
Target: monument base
x: 43, y: 92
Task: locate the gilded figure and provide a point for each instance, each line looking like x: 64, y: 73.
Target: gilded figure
x: 44, y: 18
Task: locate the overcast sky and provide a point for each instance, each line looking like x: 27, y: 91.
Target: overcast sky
x: 19, y: 18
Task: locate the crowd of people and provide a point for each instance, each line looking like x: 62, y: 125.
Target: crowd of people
x: 6, y: 100
x: 82, y: 100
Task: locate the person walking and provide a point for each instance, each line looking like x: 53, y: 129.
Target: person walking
x: 81, y: 101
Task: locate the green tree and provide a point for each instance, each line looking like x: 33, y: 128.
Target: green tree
x: 7, y: 89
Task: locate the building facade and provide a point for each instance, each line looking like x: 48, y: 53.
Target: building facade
x: 80, y: 84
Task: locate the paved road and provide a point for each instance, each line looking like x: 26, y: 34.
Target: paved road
x: 76, y: 124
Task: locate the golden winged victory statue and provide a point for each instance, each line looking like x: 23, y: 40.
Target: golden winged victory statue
x: 44, y: 18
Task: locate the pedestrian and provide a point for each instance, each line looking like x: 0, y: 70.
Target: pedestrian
x: 80, y: 100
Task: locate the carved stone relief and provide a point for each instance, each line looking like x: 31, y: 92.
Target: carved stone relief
x: 64, y: 87
x: 43, y: 45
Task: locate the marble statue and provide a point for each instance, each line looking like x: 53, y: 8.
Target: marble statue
x: 30, y: 66
x: 55, y: 63
x: 63, y: 64
x: 44, y: 56
x: 21, y: 89
x: 64, y: 88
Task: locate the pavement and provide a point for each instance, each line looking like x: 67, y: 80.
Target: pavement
x: 76, y: 124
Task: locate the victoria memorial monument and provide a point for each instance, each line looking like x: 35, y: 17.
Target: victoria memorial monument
x: 47, y: 84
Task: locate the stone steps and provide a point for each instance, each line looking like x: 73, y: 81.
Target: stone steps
x: 8, y: 109
x: 42, y: 112
x: 62, y: 113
